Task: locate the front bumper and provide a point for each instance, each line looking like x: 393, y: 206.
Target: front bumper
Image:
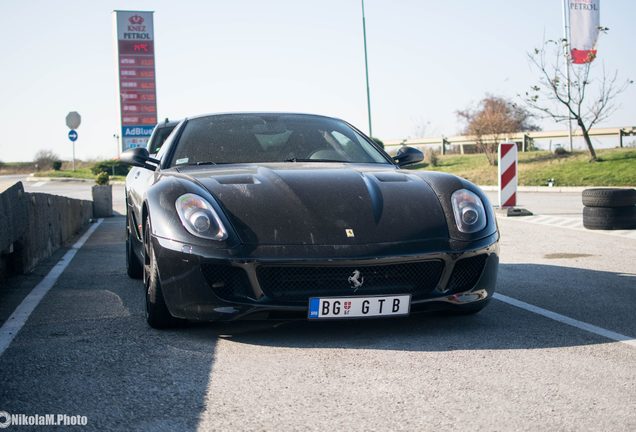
x: 210, y: 284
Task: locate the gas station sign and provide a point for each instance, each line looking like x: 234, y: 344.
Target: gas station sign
x: 136, y: 76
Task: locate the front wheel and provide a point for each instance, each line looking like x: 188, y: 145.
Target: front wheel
x: 157, y: 314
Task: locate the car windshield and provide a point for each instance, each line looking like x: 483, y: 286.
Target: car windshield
x: 250, y: 138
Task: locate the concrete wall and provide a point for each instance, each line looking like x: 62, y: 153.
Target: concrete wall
x: 34, y: 225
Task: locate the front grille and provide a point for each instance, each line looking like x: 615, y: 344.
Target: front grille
x: 293, y: 284
x: 466, y: 273
x: 227, y: 282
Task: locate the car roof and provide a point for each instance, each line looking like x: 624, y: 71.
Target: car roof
x: 261, y: 113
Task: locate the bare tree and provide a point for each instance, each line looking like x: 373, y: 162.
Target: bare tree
x: 491, y: 120
x: 45, y: 159
x: 585, y: 100
x: 421, y: 128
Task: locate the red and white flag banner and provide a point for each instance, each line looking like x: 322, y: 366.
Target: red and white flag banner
x: 584, y: 29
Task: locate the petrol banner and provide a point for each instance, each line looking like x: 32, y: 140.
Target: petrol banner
x: 135, y: 49
x: 584, y: 29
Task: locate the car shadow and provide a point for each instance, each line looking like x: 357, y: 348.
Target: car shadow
x: 604, y: 299
x: 87, y: 350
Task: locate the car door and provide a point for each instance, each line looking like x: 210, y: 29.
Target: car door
x: 139, y: 180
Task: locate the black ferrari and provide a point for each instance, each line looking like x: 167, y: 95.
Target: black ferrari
x: 267, y: 215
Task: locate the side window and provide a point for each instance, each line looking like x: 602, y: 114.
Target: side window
x: 158, y: 139
x: 151, y: 141
x: 168, y: 143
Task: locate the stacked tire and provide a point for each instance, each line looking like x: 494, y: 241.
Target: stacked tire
x: 609, y: 209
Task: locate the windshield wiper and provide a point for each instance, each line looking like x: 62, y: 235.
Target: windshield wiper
x: 207, y: 163
x: 314, y: 160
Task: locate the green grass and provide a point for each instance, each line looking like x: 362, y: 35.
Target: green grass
x: 616, y: 167
x: 79, y: 173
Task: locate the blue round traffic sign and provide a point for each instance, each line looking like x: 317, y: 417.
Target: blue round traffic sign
x: 72, y: 135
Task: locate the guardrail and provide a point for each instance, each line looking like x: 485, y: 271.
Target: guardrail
x: 522, y: 138
x: 34, y: 225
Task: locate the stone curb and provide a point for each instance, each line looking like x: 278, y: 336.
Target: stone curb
x: 33, y: 178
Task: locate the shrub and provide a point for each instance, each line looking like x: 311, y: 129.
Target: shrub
x: 560, y: 151
x: 430, y: 157
x: 102, y: 178
x: 45, y: 159
x: 113, y: 167
x: 531, y: 146
x: 57, y: 165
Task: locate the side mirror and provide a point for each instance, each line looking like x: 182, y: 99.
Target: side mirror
x: 139, y: 157
x: 408, y: 156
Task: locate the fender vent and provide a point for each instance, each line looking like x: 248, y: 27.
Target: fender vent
x: 227, y: 282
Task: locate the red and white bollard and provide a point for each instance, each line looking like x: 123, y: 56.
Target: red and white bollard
x: 507, y: 175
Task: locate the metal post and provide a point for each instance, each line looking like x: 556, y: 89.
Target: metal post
x: 366, y: 68
x: 116, y: 143
x: 620, y: 137
x: 73, y: 155
x: 566, y: 49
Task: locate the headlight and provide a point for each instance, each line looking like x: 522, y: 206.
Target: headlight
x: 470, y: 215
x: 200, y: 218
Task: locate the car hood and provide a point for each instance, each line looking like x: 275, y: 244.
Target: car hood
x: 324, y: 203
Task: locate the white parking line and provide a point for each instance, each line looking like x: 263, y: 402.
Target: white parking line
x: 18, y: 318
x: 567, y: 320
x: 572, y: 223
x: 38, y: 184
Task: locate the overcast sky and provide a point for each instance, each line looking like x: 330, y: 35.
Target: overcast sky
x: 427, y: 59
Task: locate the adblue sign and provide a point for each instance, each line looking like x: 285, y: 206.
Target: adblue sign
x: 137, y: 131
x: 134, y: 33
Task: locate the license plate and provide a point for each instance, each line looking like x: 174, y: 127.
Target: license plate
x: 358, y: 307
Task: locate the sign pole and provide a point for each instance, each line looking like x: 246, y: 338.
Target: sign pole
x: 366, y: 69
x: 566, y: 49
x: 73, y: 155
x: 116, y: 143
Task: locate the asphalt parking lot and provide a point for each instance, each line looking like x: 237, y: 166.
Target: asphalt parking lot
x: 86, y: 349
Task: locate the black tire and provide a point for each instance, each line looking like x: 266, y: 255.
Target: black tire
x: 134, y: 268
x: 608, y: 197
x: 607, y: 218
x: 157, y: 314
